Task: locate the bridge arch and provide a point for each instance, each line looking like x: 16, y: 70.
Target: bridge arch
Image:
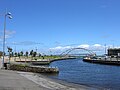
x: 72, y: 49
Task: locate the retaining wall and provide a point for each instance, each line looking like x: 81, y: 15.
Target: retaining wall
x: 33, y: 69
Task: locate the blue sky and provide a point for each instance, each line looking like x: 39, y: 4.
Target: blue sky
x: 56, y: 24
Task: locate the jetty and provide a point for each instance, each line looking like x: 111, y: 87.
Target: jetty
x: 42, y: 61
x: 32, y: 65
x: 107, y: 61
x: 27, y: 68
x: 35, y: 62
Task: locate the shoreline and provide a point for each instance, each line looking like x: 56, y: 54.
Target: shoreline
x: 54, y: 84
x: 68, y: 83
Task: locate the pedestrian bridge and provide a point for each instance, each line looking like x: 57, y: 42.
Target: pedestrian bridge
x: 75, y: 53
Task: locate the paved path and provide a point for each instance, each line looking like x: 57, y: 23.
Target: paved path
x: 11, y: 80
x: 0, y: 63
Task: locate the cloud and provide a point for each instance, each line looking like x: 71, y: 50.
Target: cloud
x: 84, y: 46
x: 25, y: 43
x: 95, y: 47
x: 8, y: 34
x: 61, y: 48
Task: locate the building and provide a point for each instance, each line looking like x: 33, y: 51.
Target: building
x: 114, y: 52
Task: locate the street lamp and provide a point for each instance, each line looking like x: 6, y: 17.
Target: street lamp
x: 7, y: 14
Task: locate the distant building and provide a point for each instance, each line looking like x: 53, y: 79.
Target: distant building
x: 114, y: 52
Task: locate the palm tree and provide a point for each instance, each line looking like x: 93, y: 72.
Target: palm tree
x: 15, y: 55
x: 31, y: 54
x: 21, y: 53
x: 26, y: 54
x: 18, y: 55
x: 34, y: 55
x: 9, y: 50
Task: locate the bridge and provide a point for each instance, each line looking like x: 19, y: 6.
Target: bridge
x: 67, y: 52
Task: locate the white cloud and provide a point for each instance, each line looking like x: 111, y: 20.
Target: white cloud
x: 84, y: 46
x: 61, y: 48
x: 57, y: 48
x: 94, y: 48
x: 8, y: 34
x: 97, y: 45
x: 26, y: 43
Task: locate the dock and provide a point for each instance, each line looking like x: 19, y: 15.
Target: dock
x: 27, y: 68
x: 107, y: 61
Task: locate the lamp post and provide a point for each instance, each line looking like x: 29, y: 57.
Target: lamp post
x: 7, y: 14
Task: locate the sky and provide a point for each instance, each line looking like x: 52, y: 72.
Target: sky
x: 54, y: 25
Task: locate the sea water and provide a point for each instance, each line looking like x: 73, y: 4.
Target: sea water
x: 77, y: 71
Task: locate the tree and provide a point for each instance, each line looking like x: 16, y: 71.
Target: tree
x: 15, y: 54
x: 34, y: 54
x: 10, y: 51
x: 26, y: 54
x: 1, y: 53
x: 18, y: 54
x: 31, y: 52
x: 21, y: 53
x: 39, y: 55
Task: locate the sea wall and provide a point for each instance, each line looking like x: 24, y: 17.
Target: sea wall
x: 99, y: 61
x: 20, y: 67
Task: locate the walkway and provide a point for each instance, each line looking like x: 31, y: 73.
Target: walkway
x: 10, y: 80
x: 13, y: 80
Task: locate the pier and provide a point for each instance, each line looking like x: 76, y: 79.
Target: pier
x: 107, y: 61
x: 27, y: 68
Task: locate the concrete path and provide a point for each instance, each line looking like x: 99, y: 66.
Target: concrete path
x: 11, y: 80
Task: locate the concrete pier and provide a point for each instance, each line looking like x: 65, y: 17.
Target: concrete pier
x: 107, y: 61
x: 25, y: 68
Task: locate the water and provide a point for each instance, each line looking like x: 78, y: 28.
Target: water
x: 77, y: 71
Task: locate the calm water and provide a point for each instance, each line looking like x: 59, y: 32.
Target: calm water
x: 80, y: 72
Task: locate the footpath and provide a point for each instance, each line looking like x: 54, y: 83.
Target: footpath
x: 11, y: 80
x: 14, y: 80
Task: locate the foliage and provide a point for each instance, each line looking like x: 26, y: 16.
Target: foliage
x: 26, y: 54
x: 1, y: 53
x: 21, y: 53
x: 9, y: 49
x: 16, y: 54
x: 10, y: 52
x: 34, y: 54
x: 31, y: 52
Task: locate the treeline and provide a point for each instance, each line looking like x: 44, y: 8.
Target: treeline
x: 21, y: 53
x: 32, y: 54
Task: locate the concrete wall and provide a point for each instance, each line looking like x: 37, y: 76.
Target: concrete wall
x: 33, y: 69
